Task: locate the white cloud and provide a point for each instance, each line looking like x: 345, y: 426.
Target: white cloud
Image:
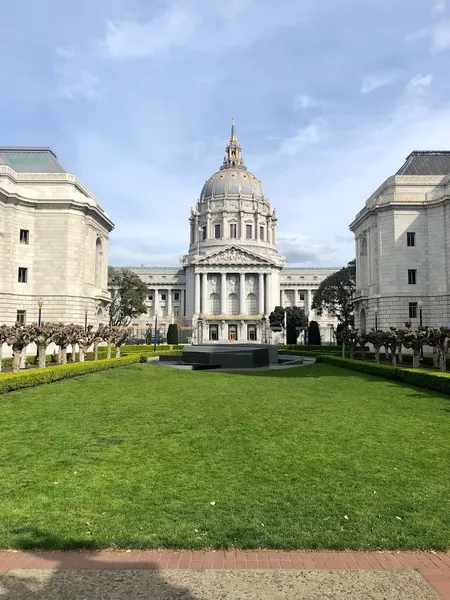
x: 309, y: 135
x: 440, y: 37
x: 133, y: 39
x: 419, y: 82
x: 304, y: 101
x: 85, y: 86
x: 439, y: 7
x: 300, y: 249
x: 378, y: 80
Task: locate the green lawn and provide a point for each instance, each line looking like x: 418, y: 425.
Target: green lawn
x: 311, y: 457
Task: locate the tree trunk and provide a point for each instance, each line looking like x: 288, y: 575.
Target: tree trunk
x: 352, y: 351
x: 42, y: 350
x: 416, y: 359
x: 400, y: 357
x: 363, y: 352
x: 443, y: 358
x: 95, y: 350
x: 59, y: 356
x: 1, y: 356
x: 23, y: 358
x: 63, y: 355
x: 16, y: 360
x: 81, y: 353
x: 343, y: 349
x: 377, y: 354
x: 73, y: 353
x: 394, y: 358
x: 108, y: 353
x: 117, y: 351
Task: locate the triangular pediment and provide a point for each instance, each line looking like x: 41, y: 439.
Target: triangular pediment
x: 234, y: 255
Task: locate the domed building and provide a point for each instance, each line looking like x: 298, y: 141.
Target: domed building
x: 233, y: 276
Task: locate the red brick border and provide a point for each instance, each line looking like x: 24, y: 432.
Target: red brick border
x: 434, y: 566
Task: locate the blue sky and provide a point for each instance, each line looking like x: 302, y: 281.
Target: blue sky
x: 136, y: 97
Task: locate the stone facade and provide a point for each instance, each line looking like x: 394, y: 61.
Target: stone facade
x: 53, y: 242
x: 233, y: 275
x: 402, y: 247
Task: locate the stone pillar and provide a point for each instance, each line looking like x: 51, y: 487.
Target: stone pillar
x: 209, y: 233
x: 197, y: 294
x: 282, y: 303
x: 242, y: 293
x: 224, y: 232
x: 295, y: 297
x: 241, y: 226
x: 169, y: 303
x: 156, y: 303
x: 197, y: 230
x: 308, y: 302
x: 205, y: 294
x: 268, y: 230
x: 274, y: 233
x: 182, y: 293
x: 261, y: 293
x: 223, y: 293
x: 268, y: 293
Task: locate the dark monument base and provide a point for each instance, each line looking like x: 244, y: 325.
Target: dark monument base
x: 231, y: 356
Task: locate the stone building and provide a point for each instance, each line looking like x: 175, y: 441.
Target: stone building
x: 53, y: 242
x: 232, y: 276
x: 403, y: 247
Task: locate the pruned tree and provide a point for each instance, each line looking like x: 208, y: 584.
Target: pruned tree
x: 390, y: 342
x: 128, y: 294
x: 19, y: 336
x: 363, y: 339
x: 42, y: 335
x: 276, y: 319
x: 314, y: 334
x: 86, y: 338
x: 295, y: 321
x: 352, y: 339
x: 440, y: 338
x: 120, y: 336
x: 73, y: 335
x: 377, y: 339
x: 4, y: 333
x: 414, y: 341
x: 172, y: 334
x: 61, y: 338
x: 335, y: 295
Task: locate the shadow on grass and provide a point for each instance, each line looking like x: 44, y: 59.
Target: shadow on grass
x: 79, y: 575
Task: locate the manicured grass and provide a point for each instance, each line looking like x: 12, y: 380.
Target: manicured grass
x: 312, y: 457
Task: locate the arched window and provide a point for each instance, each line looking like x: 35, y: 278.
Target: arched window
x: 251, y: 305
x: 233, y: 304
x: 214, y: 304
x: 98, y: 263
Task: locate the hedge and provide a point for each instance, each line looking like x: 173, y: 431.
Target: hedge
x: 145, y: 348
x: 24, y: 379
x: 431, y: 380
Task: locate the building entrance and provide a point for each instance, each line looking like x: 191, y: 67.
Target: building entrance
x: 232, y: 333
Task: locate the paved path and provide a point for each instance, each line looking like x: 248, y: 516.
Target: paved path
x: 168, y: 575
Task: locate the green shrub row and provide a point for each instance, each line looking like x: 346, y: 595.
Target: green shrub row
x: 24, y: 379
x: 146, y: 348
x: 431, y: 380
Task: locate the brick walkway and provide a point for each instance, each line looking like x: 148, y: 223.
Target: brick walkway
x: 435, y: 567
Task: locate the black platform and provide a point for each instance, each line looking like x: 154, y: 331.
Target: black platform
x: 231, y: 356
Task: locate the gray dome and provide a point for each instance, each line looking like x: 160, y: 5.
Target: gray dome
x: 232, y: 182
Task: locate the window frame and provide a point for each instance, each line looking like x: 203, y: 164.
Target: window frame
x: 217, y: 232
x: 22, y: 313
x: 233, y: 230
x: 176, y: 296
x: 413, y: 310
x: 26, y: 236
x: 248, y: 231
x: 204, y: 233
x: 410, y: 237
x: 25, y: 273
x: 412, y: 276
x: 261, y: 233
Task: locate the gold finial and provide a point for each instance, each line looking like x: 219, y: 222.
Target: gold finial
x: 233, y: 137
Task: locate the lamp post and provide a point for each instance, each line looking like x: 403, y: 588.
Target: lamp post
x: 264, y: 329
x: 420, y: 305
x: 40, y: 305
x: 86, y: 310
x: 156, y: 333
x: 200, y: 329
x: 375, y: 312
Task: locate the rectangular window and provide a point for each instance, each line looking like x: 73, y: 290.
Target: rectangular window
x: 24, y: 236
x: 261, y: 233
x: 413, y: 310
x: 177, y: 296
x: 150, y: 297
x: 217, y: 232
x: 163, y: 296
x: 23, y: 275
x: 314, y: 277
x: 21, y: 317
x: 302, y: 296
x: 412, y: 276
x: 204, y: 233
x: 248, y: 232
x: 232, y: 230
x: 410, y: 238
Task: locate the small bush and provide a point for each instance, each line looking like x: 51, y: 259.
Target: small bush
x: 24, y: 379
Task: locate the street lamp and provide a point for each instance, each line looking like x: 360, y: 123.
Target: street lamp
x: 156, y: 333
x: 375, y: 312
x: 420, y: 305
x: 40, y: 305
x: 86, y: 310
x: 200, y: 329
x: 264, y: 329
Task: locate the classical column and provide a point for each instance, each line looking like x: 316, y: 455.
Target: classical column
x: 242, y: 293
x: 156, y: 303
x: 182, y: 293
x: 197, y: 294
x: 241, y: 226
x: 224, y: 232
x: 295, y: 297
x: 268, y: 293
x: 282, y: 297
x: 205, y: 310
x: 209, y: 233
x: 268, y: 230
x: 308, y: 298
x: 223, y: 293
x: 261, y: 293
x: 169, y: 303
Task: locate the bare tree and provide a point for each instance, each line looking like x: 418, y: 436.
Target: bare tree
x: 4, y: 332
x: 42, y: 335
x: 62, y: 338
x: 440, y: 338
x: 19, y: 336
x: 120, y: 337
x: 391, y: 341
x: 376, y: 338
x: 413, y: 340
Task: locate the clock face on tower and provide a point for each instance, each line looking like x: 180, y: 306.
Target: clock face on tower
x: 232, y: 279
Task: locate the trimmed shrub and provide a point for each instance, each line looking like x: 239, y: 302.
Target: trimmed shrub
x: 314, y: 334
x: 172, y: 334
x: 31, y: 378
x: 431, y: 380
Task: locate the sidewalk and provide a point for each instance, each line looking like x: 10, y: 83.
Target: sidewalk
x: 230, y: 575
